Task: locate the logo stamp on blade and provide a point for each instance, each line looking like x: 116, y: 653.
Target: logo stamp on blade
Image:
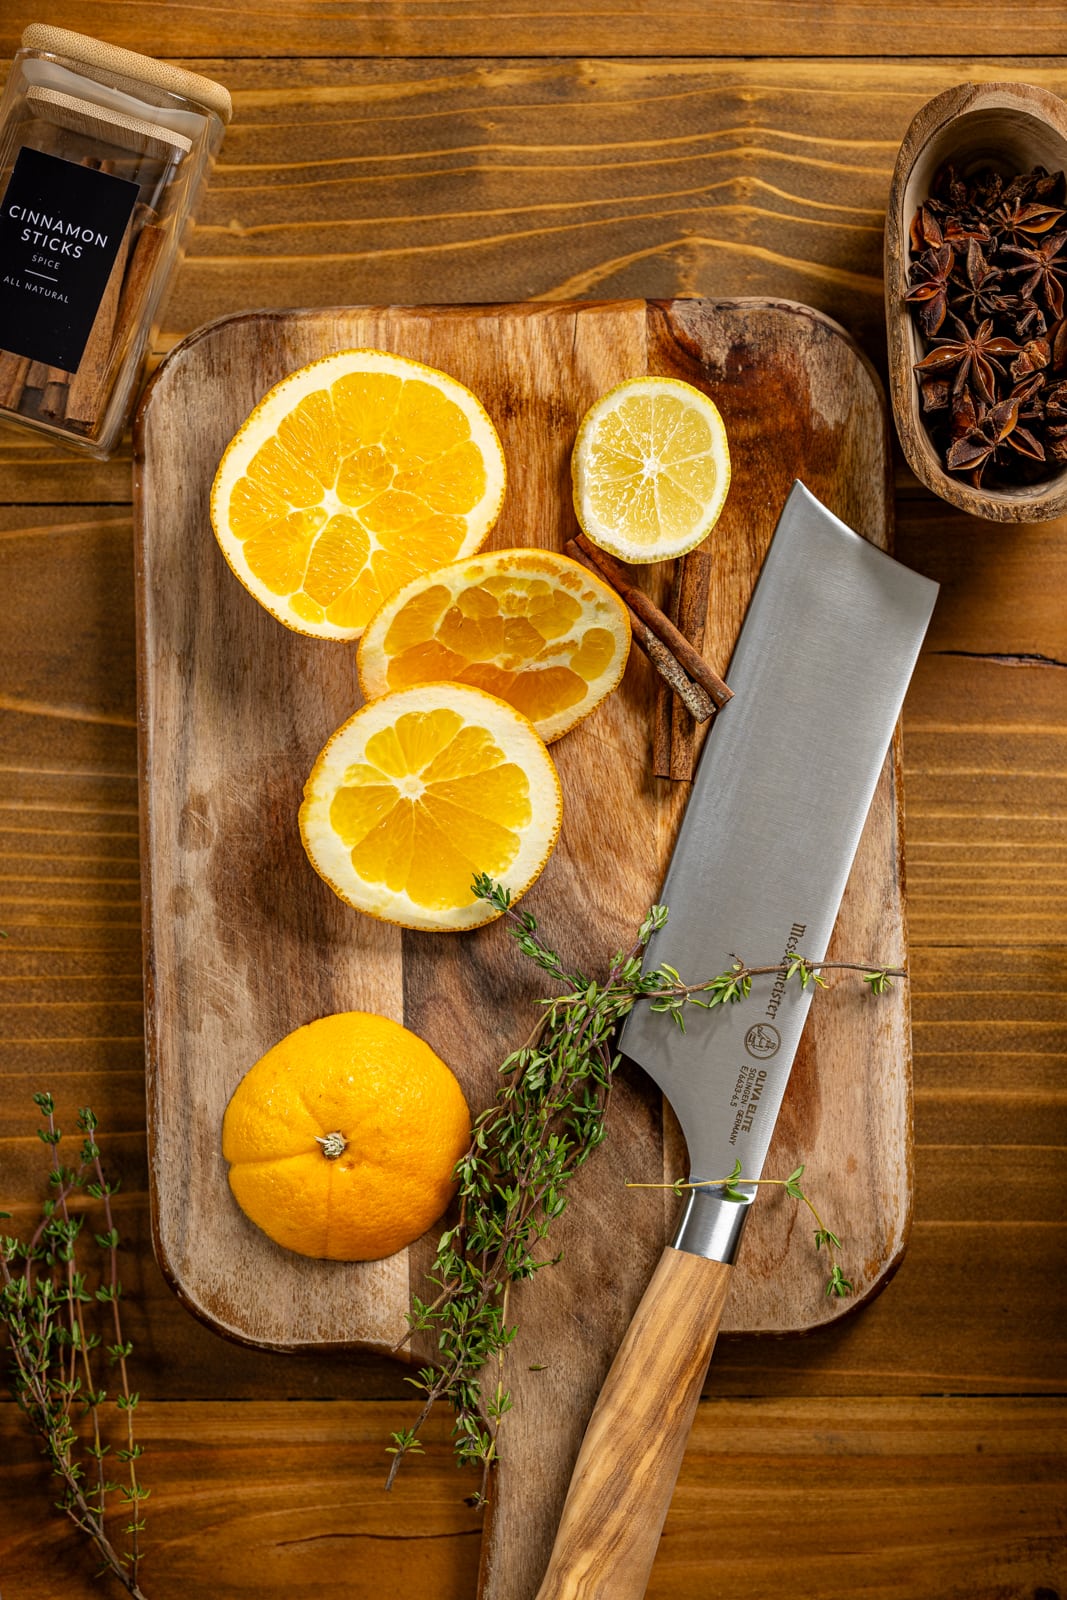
x: 762, y: 1041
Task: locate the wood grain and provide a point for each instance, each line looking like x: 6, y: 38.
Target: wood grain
x: 348, y: 178
x: 932, y: 1497
x: 360, y: 29
x: 623, y: 1480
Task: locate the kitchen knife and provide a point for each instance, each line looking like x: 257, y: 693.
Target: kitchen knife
x: 777, y: 807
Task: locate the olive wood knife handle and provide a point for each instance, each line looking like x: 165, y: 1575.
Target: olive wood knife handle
x: 624, y: 1477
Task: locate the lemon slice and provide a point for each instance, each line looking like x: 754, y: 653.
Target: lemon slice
x: 350, y: 477
x: 422, y: 790
x: 529, y: 626
x: 650, y: 469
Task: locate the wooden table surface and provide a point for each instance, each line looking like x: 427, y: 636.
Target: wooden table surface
x: 488, y: 152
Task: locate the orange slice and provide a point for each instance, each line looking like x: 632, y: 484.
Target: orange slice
x: 350, y: 477
x: 534, y: 628
x: 422, y: 790
x: 650, y: 469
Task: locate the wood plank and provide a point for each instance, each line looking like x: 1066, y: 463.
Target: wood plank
x: 1001, y: 588
x: 357, y: 29
x: 1008, y: 1337
x: 933, y: 1497
x: 986, y: 747
x: 480, y: 168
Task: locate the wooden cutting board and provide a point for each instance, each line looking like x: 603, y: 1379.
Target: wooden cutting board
x: 244, y: 942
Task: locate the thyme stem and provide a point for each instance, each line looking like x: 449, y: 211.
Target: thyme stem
x: 43, y: 1301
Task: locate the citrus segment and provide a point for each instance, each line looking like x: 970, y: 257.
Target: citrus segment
x: 422, y: 790
x: 528, y: 626
x: 650, y: 469
x: 350, y: 477
x: 343, y: 1138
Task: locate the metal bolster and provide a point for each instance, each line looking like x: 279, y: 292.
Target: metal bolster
x: 711, y: 1226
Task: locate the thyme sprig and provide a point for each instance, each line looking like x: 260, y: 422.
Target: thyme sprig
x: 546, y: 1120
x: 733, y: 1187
x: 45, y: 1306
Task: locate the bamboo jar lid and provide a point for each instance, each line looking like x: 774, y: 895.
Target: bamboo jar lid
x: 115, y: 61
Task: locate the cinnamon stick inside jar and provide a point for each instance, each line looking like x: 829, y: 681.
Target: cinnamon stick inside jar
x: 120, y: 311
x: 13, y: 371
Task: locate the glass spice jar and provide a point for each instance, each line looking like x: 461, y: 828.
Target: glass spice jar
x: 102, y: 152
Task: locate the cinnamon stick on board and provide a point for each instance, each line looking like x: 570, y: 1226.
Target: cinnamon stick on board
x: 692, y: 583
x: 663, y: 709
x: 691, y: 660
x: 647, y: 636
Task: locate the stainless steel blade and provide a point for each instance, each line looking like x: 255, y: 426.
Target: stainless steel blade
x: 778, y: 804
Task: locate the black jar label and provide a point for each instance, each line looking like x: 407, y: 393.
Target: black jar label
x: 61, y: 225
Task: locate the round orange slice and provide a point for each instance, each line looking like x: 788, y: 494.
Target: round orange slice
x: 529, y: 626
x: 353, y: 475
x: 422, y: 790
x: 650, y: 469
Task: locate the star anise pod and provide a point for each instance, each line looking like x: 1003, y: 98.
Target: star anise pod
x: 1034, y: 357
x: 1024, y: 315
x: 968, y: 414
x: 1022, y: 220
x: 975, y: 292
x: 1041, y: 266
x: 1056, y: 402
x: 930, y: 280
x: 998, y: 431
x: 1056, y: 423
x: 1057, y: 338
x: 953, y: 204
x: 959, y: 230
x: 935, y: 393
x: 949, y: 190
x: 971, y: 354
x: 1037, y: 184
x: 1029, y: 395
x: 925, y: 231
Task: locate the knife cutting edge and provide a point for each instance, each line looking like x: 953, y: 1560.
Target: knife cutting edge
x: 778, y: 804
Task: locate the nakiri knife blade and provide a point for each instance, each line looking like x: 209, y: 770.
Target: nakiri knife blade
x: 779, y: 800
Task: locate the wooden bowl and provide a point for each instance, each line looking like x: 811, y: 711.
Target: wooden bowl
x: 1011, y: 127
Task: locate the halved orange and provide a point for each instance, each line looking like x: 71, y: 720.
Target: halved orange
x: 532, y: 627
x: 353, y: 475
x: 422, y: 790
